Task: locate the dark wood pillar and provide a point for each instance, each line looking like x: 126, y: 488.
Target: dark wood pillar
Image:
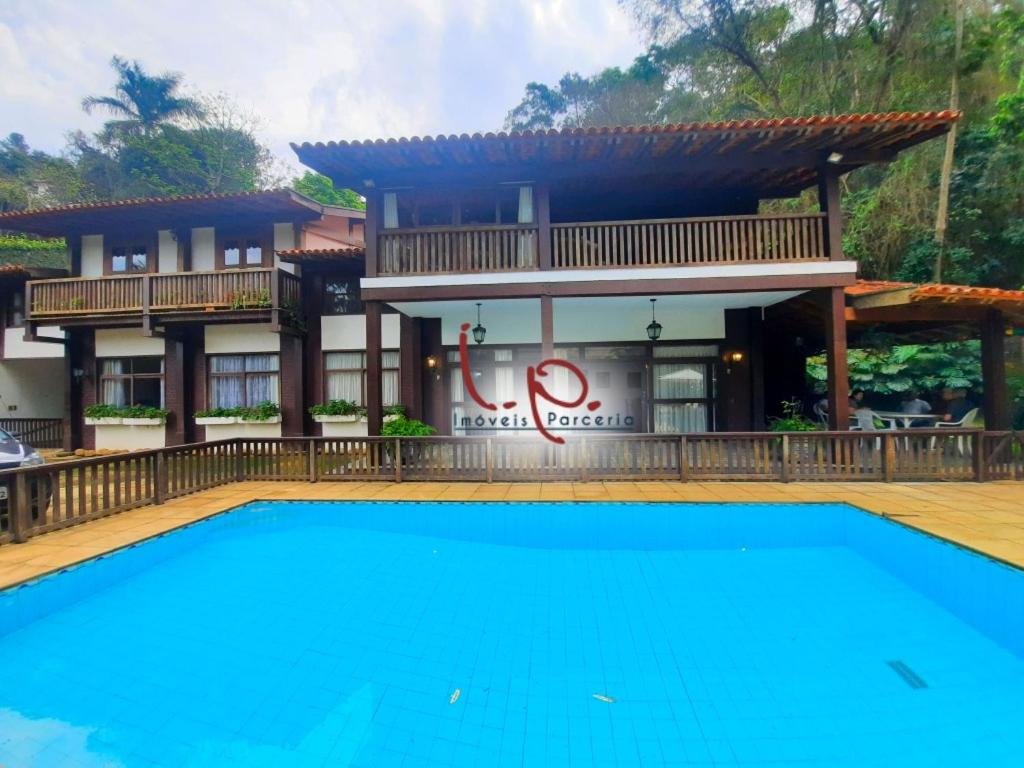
x: 835, y: 356
x: 200, y: 392
x: 435, y: 408
x: 547, y: 328
x: 756, y: 344
x: 74, y: 256
x: 175, y: 391
x: 734, y: 391
x: 370, y: 227
x: 542, y: 207
x: 830, y: 203
x: 73, y: 421
x: 996, y: 403
x: 312, y: 304
x: 410, y: 366
x: 374, y: 383
x: 89, y: 387
x: 291, y: 386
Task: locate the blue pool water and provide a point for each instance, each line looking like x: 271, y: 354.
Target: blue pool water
x: 337, y: 634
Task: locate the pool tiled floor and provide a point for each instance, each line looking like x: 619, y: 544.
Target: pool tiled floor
x: 988, y: 517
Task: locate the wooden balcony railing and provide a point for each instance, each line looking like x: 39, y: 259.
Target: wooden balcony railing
x: 603, y: 244
x: 492, y: 248
x: 679, y: 242
x: 52, y: 496
x: 242, y: 289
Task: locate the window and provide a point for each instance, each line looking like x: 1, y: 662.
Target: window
x: 244, y: 251
x: 132, y: 381
x: 126, y: 259
x: 345, y: 377
x: 15, y: 310
x: 341, y: 297
x: 243, y: 380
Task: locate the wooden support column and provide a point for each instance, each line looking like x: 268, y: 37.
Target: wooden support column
x: 312, y: 304
x: 74, y: 257
x: 370, y: 227
x: 542, y: 204
x: 374, y: 382
x: 291, y: 386
x: 756, y: 342
x: 436, y: 407
x: 993, y: 371
x: 174, y: 391
x: 89, y: 388
x: 835, y: 355
x: 830, y: 203
x: 200, y: 392
x: 410, y: 366
x: 547, y: 328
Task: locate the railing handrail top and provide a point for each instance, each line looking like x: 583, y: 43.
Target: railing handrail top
x: 143, y: 275
x: 441, y: 229
x: 689, y: 220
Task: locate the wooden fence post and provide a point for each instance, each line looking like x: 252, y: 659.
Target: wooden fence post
x: 17, y: 508
x: 159, y: 478
x: 684, y: 460
x: 239, y: 461
x: 312, y: 460
x: 398, y: 460
x: 978, y: 448
x: 888, y: 457
x: 784, y: 470
x: 489, y: 458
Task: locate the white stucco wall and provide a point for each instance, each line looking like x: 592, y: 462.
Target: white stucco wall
x: 35, y: 388
x: 284, y: 238
x: 349, y: 332
x: 203, y: 249
x: 167, y: 252
x: 92, y: 255
x: 16, y: 348
x: 129, y: 438
x: 246, y: 337
x: 126, y: 342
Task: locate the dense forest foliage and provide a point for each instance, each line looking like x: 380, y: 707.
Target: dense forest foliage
x: 720, y: 59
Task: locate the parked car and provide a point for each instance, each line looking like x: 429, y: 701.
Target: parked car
x: 13, y: 454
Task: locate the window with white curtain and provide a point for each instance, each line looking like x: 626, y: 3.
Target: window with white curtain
x: 132, y: 381
x: 243, y: 380
x: 345, y: 377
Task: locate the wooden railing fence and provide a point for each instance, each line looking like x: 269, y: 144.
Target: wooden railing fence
x: 39, y: 433
x: 176, y: 291
x: 483, y: 248
x: 53, y: 496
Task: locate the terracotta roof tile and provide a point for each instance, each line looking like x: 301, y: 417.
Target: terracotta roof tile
x: 324, y: 254
x: 867, y: 287
x: 939, y: 290
x: 104, y: 204
x: 760, y: 124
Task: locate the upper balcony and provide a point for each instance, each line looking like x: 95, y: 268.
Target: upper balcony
x: 252, y: 295
x: 717, y: 240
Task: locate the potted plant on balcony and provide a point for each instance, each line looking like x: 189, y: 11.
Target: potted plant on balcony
x: 262, y: 413
x: 104, y: 414
x: 216, y: 416
x: 337, y: 412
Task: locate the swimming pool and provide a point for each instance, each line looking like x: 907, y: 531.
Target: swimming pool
x: 459, y: 634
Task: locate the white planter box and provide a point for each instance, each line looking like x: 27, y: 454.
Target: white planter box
x: 203, y: 420
x: 243, y: 429
x: 390, y: 417
x: 126, y: 437
x: 337, y: 418
x: 271, y: 420
x: 103, y: 420
x: 130, y: 422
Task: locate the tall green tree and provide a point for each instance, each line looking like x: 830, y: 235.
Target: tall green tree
x: 322, y: 189
x: 142, y: 101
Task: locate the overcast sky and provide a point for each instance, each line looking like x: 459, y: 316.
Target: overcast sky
x: 310, y: 69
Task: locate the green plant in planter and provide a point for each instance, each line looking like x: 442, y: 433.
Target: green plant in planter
x: 403, y: 427
x: 107, y: 411
x: 261, y: 412
x: 77, y: 303
x: 394, y: 410
x: 792, y: 419
x: 338, y: 408
x: 209, y: 413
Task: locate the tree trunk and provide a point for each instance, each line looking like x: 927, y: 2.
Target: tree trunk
x: 942, y: 214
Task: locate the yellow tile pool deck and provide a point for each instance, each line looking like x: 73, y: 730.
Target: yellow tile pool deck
x: 987, y: 517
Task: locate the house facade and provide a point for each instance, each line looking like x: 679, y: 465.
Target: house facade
x: 658, y: 269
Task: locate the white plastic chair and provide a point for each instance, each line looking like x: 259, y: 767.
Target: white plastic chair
x: 966, y: 421
x: 821, y: 413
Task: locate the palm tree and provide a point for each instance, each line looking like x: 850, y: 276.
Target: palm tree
x: 143, y: 101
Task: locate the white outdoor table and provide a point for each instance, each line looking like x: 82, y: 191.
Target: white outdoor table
x: 906, y: 419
